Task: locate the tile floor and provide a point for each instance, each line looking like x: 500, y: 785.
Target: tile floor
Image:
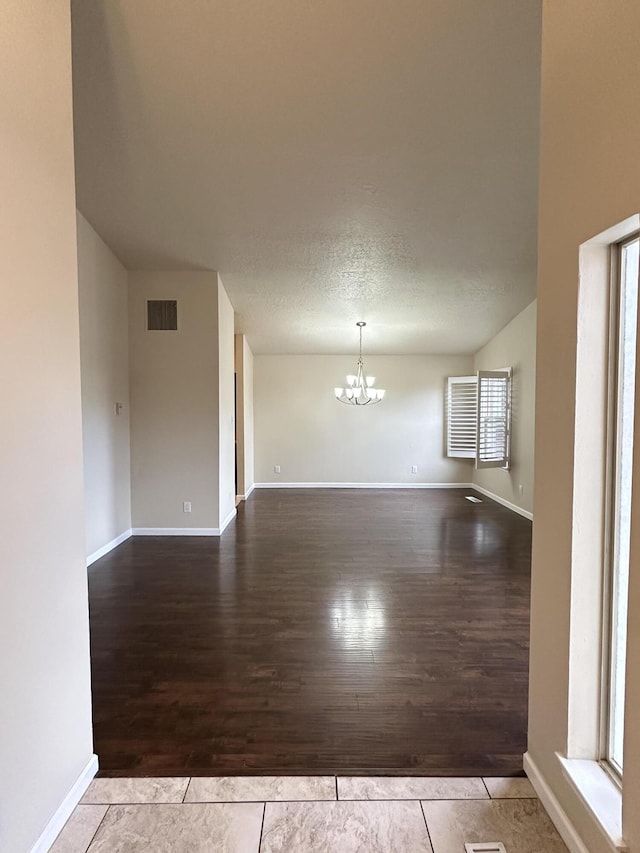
x: 305, y: 814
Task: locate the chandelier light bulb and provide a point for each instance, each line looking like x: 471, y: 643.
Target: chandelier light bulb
x: 360, y: 390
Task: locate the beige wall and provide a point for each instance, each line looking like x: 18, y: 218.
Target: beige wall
x: 45, y: 711
x: 244, y: 427
x: 589, y: 182
x: 300, y: 426
x: 226, y: 408
x: 174, y: 403
x: 514, y: 346
x: 104, y: 362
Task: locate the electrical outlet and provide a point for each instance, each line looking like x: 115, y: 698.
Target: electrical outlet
x: 186, y: 506
x: 276, y: 469
x: 414, y: 469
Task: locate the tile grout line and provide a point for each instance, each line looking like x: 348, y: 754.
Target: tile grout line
x: 93, y: 837
x: 264, y: 809
x: 486, y: 787
x: 426, y: 826
x: 337, y: 796
x: 184, y: 796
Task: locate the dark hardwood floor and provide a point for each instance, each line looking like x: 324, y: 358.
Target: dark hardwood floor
x: 340, y: 631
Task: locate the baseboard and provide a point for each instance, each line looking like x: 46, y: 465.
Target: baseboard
x: 109, y: 547
x: 554, y: 809
x: 186, y: 531
x: 247, y: 493
x: 176, y: 531
x: 364, y: 486
x: 228, y: 520
x: 513, y: 507
x: 63, y: 812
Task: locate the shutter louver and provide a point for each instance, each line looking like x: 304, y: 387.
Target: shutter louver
x: 493, y: 427
x: 461, y: 416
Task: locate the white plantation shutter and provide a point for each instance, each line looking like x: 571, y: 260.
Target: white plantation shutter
x: 462, y: 416
x: 494, y: 412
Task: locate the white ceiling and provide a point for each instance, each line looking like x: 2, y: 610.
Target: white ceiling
x: 335, y: 160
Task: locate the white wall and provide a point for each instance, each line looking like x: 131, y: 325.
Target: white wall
x: 300, y: 426
x: 249, y: 418
x: 244, y: 427
x: 226, y: 408
x: 104, y: 362
x: 514, y: 346
x: 589, y: 181
x: 174, y: 403
x: 45, y: 711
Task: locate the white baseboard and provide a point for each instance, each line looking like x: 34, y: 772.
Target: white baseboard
x: 185, y: 531
x: 513, y: 507
x: 176, y: 531
x: 108, y: 547
x: 248, y: 492
x: 63, y: 812
x: 554, y: 809
x: 228, y: 520
x: 364, y: 486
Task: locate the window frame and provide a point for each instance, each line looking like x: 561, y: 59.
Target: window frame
x: 613, y: 428
x: 474, y: 452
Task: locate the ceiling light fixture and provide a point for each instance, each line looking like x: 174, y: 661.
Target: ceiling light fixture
x: 360, y: 390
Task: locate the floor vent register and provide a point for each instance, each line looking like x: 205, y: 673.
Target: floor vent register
x: 485, y: 847
x: 473, y: 499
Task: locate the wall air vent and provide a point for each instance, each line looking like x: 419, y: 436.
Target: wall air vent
x: 162, y: 315
x: 485, y: 847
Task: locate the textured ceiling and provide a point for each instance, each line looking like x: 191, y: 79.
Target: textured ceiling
x: 335, y: 160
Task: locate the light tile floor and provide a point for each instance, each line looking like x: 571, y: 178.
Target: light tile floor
x: 307, y: 814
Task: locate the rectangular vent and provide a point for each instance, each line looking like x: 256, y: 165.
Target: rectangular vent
x: 162, y: 315
x: 485, y: 847
x: 473, y: 499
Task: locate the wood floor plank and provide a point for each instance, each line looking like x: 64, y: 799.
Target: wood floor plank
x: 327, y: 631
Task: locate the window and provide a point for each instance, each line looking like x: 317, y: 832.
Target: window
x: 462, y: 413
x: 479, y: 417
x: 623, y: 364
x: 162, y: 315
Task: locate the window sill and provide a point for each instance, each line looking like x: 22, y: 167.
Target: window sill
x: 599, y: 793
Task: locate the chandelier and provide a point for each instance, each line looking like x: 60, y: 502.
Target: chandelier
x: 360, y: 390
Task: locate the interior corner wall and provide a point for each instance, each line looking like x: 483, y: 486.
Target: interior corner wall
x: 104, y: 364
x: 175, y: 404
x: 301, y: 427
x: 239, y: 379
x: 589, y: 182
x: 244, y: 415
x: 249, y: 438
x: 514, y: 346
x: 226, y: 409
x: 45, y: 712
